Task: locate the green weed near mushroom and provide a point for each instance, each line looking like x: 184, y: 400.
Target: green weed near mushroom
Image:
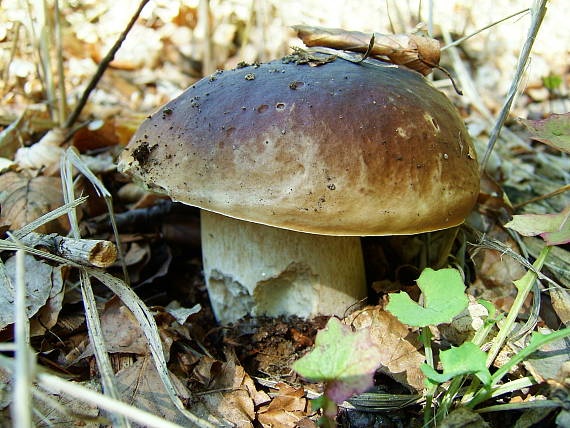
x: 335, y: 362
x: 466, y: 379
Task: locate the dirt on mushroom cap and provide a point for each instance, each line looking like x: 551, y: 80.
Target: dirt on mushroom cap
x: 339, y: 149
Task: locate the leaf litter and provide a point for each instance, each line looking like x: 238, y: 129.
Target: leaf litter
x: 195, y: 357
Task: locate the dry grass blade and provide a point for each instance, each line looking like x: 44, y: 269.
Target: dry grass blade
x: 468, y: 36
x: 91, y: 314
x: 150, y: 329
x: 57, y: 385
x: 538, y: 11
x: 103, y: 66
x: 46, y: 218
x: 62, y: 99
x: 470, y: 90
x: 22, y: 402
x: 71, y: 157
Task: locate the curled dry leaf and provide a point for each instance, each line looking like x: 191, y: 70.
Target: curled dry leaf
x: 42, y: 283
x: 400, y: 356
x: 121, y: 331
x: 24, y: 199
x: 231, y: 394
x: 286, y: 409
x: 45, y: 154
x: 463, y: 327
x: 416, y: 52
x: 140, y: 386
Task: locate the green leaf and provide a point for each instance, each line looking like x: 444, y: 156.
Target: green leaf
x: 554, y: 130
x: 553, y: 228
x: 444, y: 298
x: 552, y: 82
x: 345, y: 360
x: 463, y: 360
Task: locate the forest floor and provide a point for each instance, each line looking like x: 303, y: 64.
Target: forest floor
x: 240, y: 374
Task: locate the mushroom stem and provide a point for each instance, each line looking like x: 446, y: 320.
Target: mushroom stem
x: 261, y: 270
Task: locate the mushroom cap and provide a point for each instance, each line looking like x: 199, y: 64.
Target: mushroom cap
x: 335, y: 149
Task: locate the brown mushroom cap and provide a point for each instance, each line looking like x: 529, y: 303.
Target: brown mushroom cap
x: 336, y: 149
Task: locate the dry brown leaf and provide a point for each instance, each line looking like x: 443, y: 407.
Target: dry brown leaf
x: 560, y: 299
x: 400, y: 358
x: 24, y: 199
x: 42, y: 283
x: 45, y: 154
x: 463, y: 326
x: 11, y: 138
x: 415, y: 52
x: 286, y: 409
x: 140, y: 386
x: 121, y: 331
x: 464, y: 418
x: 232, y: 394
x: 496, y: 271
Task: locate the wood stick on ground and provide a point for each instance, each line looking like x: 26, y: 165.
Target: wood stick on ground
x: 103, y: 66
x: 87, y: 252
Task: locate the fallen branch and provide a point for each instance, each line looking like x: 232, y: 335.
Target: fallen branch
x: 86, y: 252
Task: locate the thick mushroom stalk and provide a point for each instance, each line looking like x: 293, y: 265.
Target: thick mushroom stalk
x: 296, y: 149
x: 253, y: 269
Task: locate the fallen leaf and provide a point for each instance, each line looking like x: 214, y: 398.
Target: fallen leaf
x: 560, y: 299
x: 231, y: 395
x: 345, y: 360
x: 24, y: 199
x: 554, y: 130
x: 444, y: 298
x: 399, y: 348
x: 45, y: 154
x: 463, y: 417
x: 547, y: 362
x: 42, y: 281
x: 181, y: 313
x: 286, y: 409
x: 463, y: 326
x: 553, y: 228
x: 121, y: 331
x: 11, y: 139
x: 140, y: 385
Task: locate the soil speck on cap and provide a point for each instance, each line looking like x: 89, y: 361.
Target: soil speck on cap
x: 142, y: 153
x: 249, y: 76
x: 166, y: 112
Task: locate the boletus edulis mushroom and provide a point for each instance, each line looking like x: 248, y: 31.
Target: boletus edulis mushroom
x: 291, y: 163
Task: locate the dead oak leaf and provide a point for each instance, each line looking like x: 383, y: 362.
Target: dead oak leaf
x: 400, y: 356
x: 286, y: 409
x: 24, y: 199
x: 121, y: 331
x: 42, y: 283
x: 140, y: 386
x: 231, y: 394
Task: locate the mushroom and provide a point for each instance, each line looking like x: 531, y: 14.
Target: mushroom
x: 292, y: 163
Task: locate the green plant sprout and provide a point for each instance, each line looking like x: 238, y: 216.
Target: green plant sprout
x: 344, y: 360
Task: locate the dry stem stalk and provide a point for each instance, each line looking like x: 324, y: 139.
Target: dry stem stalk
x: 538, y: 11
x: 88, y: 252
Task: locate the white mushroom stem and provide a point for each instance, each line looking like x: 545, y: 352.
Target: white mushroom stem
x: 261, y: 270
